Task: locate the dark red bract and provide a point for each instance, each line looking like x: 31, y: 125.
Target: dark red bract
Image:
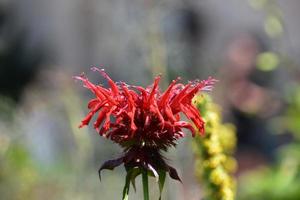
x: 143, y: 118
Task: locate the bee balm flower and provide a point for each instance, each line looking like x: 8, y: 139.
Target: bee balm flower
x: 144, y: 121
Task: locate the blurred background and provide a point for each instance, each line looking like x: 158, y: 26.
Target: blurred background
x: 252, y: 47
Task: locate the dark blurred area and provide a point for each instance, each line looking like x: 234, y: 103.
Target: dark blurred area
x: 252, y: 47
x: 19, y: 60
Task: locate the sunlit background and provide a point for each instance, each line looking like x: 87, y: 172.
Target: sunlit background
x: 252, y: 47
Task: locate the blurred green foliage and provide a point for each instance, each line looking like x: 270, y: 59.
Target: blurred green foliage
x: 273, y: 23
x: 24, y: 177
x: 267, y: 61
x: 281, y: 181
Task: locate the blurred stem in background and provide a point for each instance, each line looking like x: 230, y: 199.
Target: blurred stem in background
x: 215, y: 164
x: 157, y: 59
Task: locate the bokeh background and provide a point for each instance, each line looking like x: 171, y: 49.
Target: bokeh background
x: 252, y: 47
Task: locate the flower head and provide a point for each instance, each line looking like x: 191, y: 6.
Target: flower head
x: 143, y: 120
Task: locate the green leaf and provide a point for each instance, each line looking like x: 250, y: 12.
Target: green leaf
x: 127, y: 186
x: 161, y: 181
x: 134, y: 173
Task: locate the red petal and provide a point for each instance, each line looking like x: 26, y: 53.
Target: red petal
x: 112, y: 84
x: 87, y: 119
x: 154, y: 109
x: 166, y: 94
x: 92, y: 103
x: 101, y: 116
x: 132, y: 107
x: 194, y: 116
x: 189, y: 96
x: 107, y: 94
x: 90, y: 86
x: 176, y: 101
x: 153, y: 91
x: 187, y: 125
x: 169, y: 113
x: 106, y: 124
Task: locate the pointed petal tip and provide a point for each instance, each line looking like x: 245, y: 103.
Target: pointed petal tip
x: 157, y: 78
x: 99, y: 174
x: 101, y: 71
x: 202, y: 132
x: 211, y: 79
x: 111, y: 164
x: 95, y: 69
x: 80, y: 77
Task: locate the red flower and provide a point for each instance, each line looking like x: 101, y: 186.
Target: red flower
x: 143, y: 120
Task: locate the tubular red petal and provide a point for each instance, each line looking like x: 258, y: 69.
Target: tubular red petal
x: 166, y: 95
x: 153, y: 91
x: 132, y: 124
x: 92, y: 103
x: 144, y: 96
x: 154, y: 109
x: 203, y: 85
x: 169, y: 113
x: 101, y: 116
x: 183, y: 124
x: 132, y: 107
x: 128, y: 95
x: 143, y: 91
x: 86, y: 120
x: 177, y: 99
x: 106, y: 94
x: 112, y: 84
x: 90, y: 86
x: 194, y: 116
x: 189, y: 95
x: 106, y: 124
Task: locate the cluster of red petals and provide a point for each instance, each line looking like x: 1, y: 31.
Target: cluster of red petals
x: 137, y: 116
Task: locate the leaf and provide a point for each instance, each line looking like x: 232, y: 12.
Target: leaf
x: 110, y: 164
x: 134, y: 173
x: 126, y: 186
x: 161, y: 181
x: 173, y: 173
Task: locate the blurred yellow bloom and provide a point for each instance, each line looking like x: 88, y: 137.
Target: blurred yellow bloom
x: 214, y: 161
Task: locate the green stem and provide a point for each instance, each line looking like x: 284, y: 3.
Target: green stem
x: 145, y: 184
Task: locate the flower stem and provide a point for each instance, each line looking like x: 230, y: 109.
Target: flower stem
x: 145, y: 184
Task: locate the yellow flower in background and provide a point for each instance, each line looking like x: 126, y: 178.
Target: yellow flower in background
x: 215, y: 164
